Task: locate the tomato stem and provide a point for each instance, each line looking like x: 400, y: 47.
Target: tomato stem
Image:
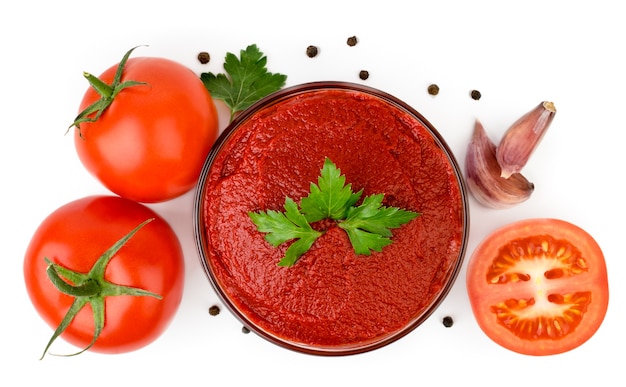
x: 100, y: 86
x: 91, y: 288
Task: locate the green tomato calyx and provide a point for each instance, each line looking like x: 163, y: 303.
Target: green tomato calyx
x: 107, y: 94
x: 91, y: 288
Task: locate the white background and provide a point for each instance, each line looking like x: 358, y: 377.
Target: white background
x: 516, y: 53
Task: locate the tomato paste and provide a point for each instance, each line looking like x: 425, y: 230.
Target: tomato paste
x: 333, y: 298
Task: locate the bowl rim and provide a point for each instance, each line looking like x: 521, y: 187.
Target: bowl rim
x: 200, y: 234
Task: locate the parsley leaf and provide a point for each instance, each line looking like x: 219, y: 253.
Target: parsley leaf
x: 281, y: 227
x: 330, y: 198
x: 247, y: 81
x: 367, y: 225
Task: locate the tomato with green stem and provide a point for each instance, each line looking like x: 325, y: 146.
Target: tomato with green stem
x: 106, y: 273
x: 538, y: 286
x: 145, y: 128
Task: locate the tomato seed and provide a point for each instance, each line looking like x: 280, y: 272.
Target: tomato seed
x: 214, y: 310
x: 554, y: 273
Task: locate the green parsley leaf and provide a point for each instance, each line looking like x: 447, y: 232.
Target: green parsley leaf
x: 247, y: 81
x: 330, y: 198
x: 368, y: 225
x: 282, y: 227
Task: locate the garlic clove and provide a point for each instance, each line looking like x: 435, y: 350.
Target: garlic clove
x: 484, y: 178
x: 522, y: 138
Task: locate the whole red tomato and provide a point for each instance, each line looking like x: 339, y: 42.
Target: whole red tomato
x: 73, y: 244
x: 538, y: 286
x: 147, y: 141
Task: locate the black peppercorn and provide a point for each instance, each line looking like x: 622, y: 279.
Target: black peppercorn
x: 352, y: 41
x: 475, y: 94
x: 364, y: 74
x: 204, y: 57
x: 245, y: 330
x: 447, y: 321
x: 433, y: 89
x: 311, y: 51
x: 214, y: 310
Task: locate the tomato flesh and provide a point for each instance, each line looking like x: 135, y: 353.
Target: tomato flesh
x: 538, y: 286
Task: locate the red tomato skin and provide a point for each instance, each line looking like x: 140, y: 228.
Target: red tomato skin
x: 150, y: 144
x: 74, y: 236
x: 482, y: 295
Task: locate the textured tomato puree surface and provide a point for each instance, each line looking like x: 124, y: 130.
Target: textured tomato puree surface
x: 331, y: 296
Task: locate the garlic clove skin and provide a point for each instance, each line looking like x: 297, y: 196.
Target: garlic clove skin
x: 523, y: 137
x: 483, y: 175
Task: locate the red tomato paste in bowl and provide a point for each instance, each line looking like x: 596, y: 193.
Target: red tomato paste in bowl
x: 331, y: 301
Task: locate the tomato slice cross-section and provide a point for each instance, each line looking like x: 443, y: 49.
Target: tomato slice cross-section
x: 538, y: 286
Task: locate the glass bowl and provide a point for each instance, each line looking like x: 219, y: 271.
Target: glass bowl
x: 331, y: 301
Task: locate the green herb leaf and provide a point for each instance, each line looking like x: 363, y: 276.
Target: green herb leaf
x: 331, y: 197
x: 368, y: 225
x: 282, y: 227
x: 247, y: 81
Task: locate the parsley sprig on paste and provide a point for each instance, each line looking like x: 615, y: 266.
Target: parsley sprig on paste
x: 247, y: 81
x: 368, y: 225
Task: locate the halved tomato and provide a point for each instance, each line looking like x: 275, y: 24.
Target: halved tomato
x: 538, y: 286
